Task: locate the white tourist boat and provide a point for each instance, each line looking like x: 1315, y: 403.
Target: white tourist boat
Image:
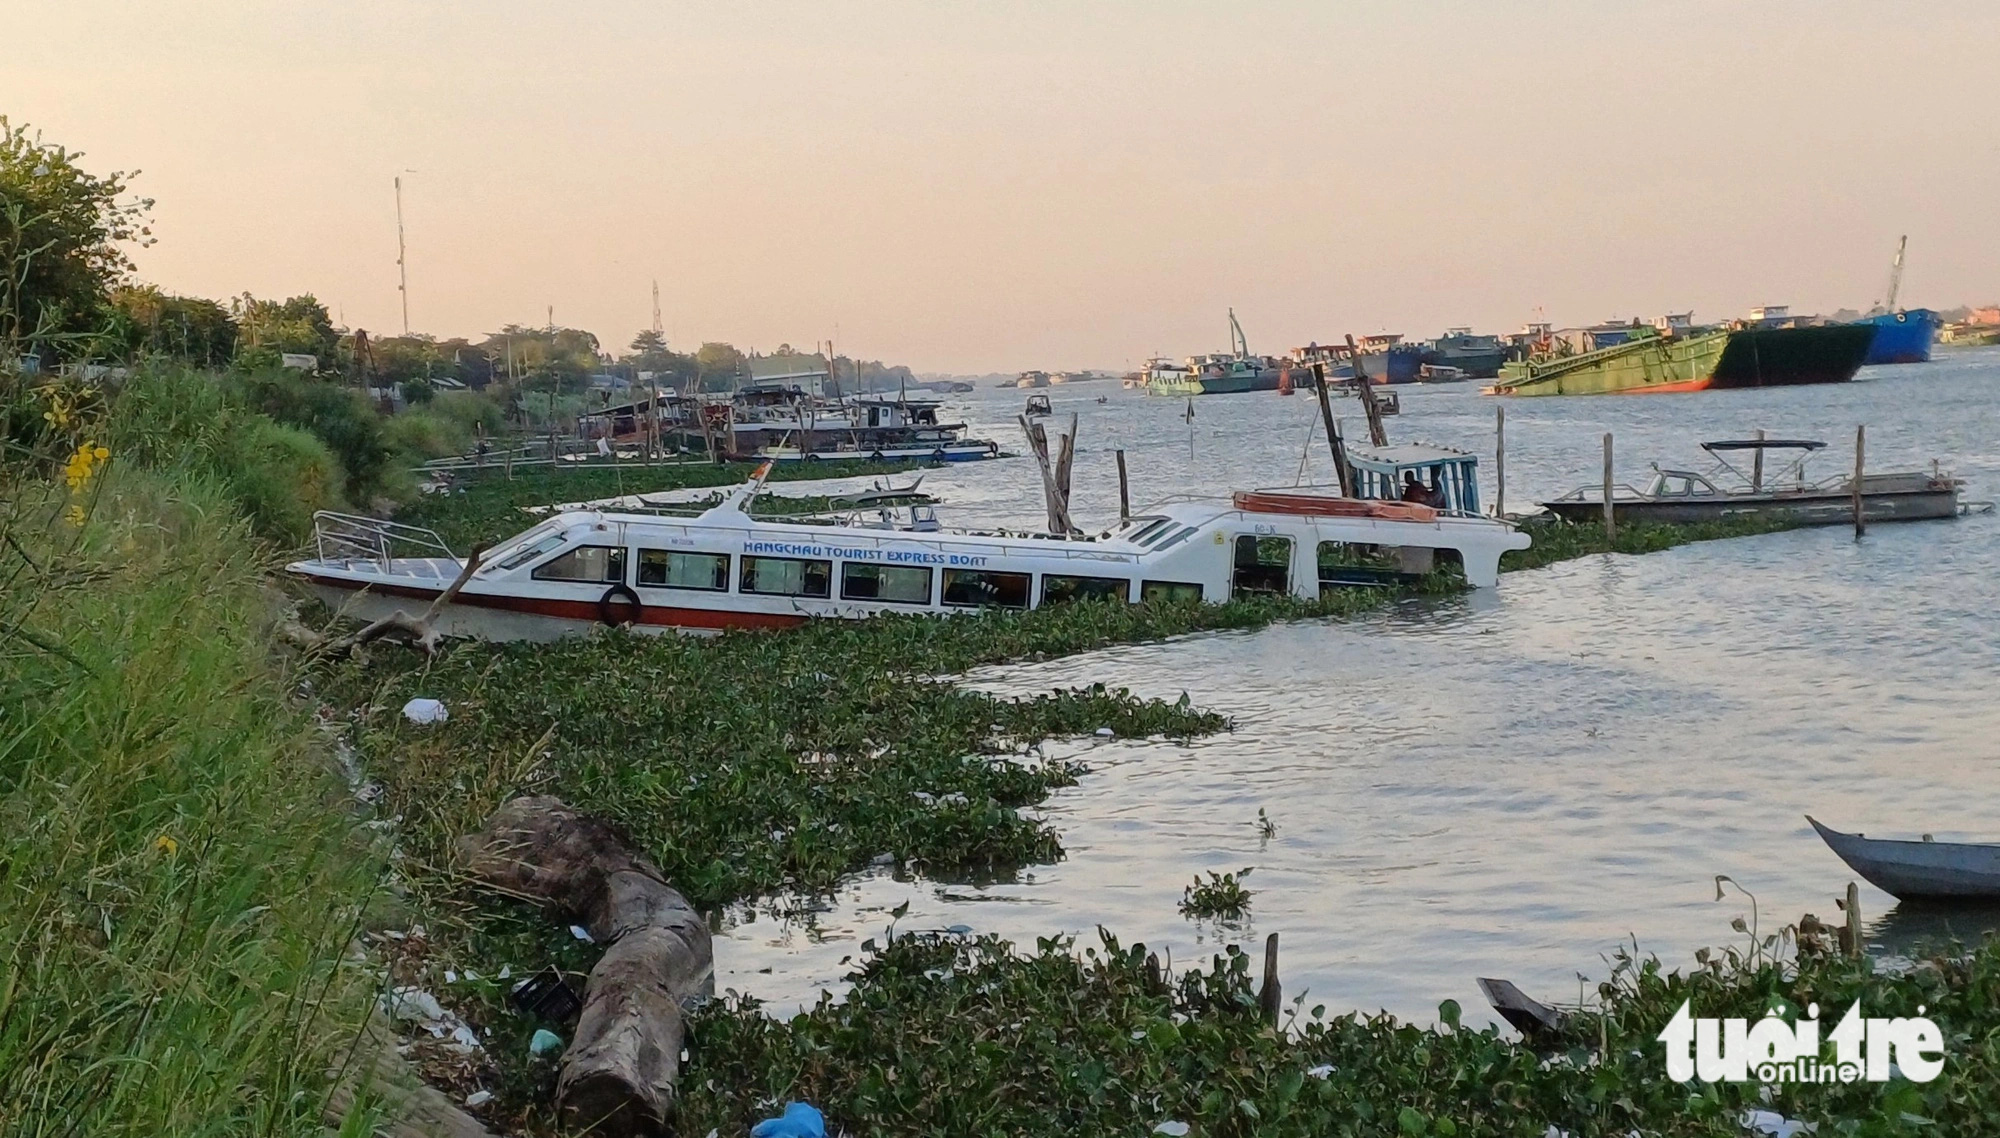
x: 580, y: 568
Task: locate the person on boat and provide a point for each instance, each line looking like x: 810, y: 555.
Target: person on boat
x: 1415, y: 491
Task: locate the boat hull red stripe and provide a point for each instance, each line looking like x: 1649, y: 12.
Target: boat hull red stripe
x: 671, y: 616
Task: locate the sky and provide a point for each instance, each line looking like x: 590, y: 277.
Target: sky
x: 1002, y: 185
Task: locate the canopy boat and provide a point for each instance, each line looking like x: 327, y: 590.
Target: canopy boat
x: 1691, y: 496
x: 726, y: 569
x: 1917, y: 871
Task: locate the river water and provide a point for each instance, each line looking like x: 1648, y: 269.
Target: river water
x: 1514, y: 782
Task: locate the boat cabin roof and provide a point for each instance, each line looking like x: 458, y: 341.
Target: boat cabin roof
x: 1408, y: 456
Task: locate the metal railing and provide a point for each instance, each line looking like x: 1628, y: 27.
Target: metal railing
x: 356, y: 537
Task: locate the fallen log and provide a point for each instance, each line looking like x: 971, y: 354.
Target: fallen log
x: 619, y: 1073
x: 421, y: 630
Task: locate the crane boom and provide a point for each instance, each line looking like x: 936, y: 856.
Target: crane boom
x: 1896, y: 271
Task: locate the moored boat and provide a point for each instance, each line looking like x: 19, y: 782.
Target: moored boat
x: 580, y: 568
x: 1901, y: 337
x: 1919, y: 871
x: 1683, y: 496
x: 1653, y: 362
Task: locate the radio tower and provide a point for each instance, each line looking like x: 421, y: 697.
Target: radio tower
x: 658, y: 328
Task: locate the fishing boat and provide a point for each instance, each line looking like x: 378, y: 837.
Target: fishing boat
x: 1919, y: 871
x: 1692, y: 496
x: 579, y: 568
x: 1038, y: 404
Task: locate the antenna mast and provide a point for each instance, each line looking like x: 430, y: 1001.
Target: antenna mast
x: 1896, y: 271
x: 658, y: 328
x: 402, y: 269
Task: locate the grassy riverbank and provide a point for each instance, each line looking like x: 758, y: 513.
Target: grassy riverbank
x: 180, y: 881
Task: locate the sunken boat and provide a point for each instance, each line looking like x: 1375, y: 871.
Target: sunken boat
x: 1728, y: 491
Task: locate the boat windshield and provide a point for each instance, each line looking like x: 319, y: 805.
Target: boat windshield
x: 530, y: 545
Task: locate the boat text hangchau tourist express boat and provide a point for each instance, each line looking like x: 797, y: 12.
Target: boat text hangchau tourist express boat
x: 725, y: 569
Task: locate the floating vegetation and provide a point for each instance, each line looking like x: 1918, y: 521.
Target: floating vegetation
x: 1221, y: 897
x: 957, y: 1035
x: 1557, y: 540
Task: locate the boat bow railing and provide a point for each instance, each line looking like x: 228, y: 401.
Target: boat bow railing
x: 356, y: 537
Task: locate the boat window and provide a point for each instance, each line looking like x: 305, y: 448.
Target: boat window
x: 530, y: 551
x: 787, y: 576
x: 1263, y: 564
x: 1346, y: 563
x: 600, y: 564
x: 971, y: 588
x: 1182, y: 536
x: 669, y: 569
x: 904, y: 584
x: 1169, y: 592
x: 1150, y: 529
x: 1058, y: 589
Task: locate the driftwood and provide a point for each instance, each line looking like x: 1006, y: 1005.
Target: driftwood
x: 619, y: 1073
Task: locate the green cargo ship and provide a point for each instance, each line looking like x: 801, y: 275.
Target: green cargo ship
x: 1744, y: 357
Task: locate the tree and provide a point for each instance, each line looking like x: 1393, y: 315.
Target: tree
x: 270, y: 328
x: 148, y: 322
x: 61, y: 232
x: 720, y: 365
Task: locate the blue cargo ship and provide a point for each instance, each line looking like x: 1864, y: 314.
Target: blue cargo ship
x: 1901, y: 337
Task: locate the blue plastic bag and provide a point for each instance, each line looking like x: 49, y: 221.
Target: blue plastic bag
x: 799, y: 1121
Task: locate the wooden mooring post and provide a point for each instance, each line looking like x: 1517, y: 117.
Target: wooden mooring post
x: 1757, y: 466
x: 1333, y: 441
x: 1610, y: 514
x: 1124, y: 488
x: 1500, y: 461
x: 1853, y: 907
x: 1271, y: 995
x: 1860, y: 452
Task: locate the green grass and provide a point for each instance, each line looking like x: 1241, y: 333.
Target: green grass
x: 180, y: 875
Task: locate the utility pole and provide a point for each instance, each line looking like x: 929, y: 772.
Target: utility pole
x: 402, y: 267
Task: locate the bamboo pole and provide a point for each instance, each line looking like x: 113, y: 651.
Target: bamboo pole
x: 1333, y: 443
x: 1500, y: 460
x: 1860, y: 452
x: 1610, y: 515
x: 1124, y: 488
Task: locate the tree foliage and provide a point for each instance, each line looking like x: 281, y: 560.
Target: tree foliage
x: 62, y: 230
x: 149, y: 322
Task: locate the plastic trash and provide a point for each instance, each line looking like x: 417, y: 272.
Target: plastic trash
x: 1105, y: 732
x: 424, y: 712
x: 800, y: 1120
x: 543, y: 1042
x: 1172, y: 1128
x: 581, y: 933
x: 1770, y: 1122
x: 415, y: 1005
x: 479, y: 1098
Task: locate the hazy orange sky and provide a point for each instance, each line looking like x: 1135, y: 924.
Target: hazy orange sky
x: 996, y: 186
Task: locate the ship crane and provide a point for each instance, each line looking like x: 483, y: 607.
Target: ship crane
x: 1896, y: 272
x: 1236, y: 338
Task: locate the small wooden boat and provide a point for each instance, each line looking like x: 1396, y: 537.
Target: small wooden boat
x: 1923, y: 870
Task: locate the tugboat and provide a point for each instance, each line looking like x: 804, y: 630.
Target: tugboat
x: 1693, y: 496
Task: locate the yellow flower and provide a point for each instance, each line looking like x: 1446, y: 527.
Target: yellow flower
x: 74, y: 515
x: 166, y: 845
x: 83, y: 464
